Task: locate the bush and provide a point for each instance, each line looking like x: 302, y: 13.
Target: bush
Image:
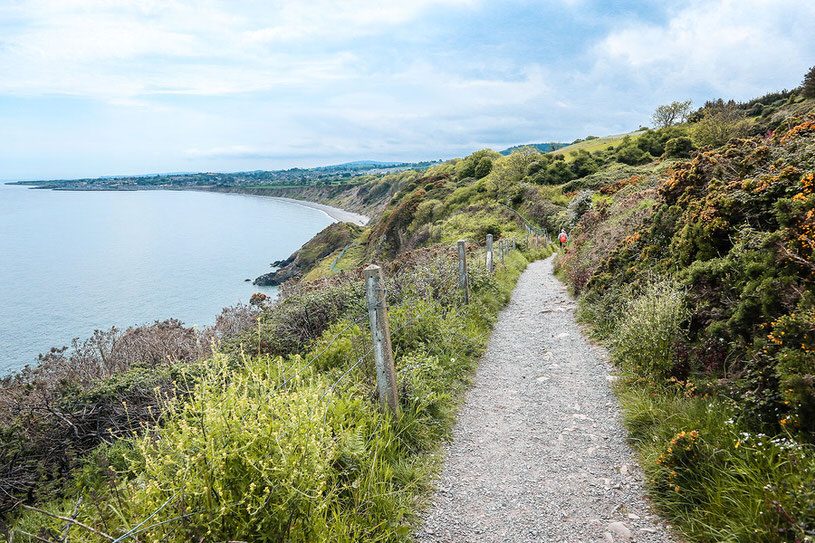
x: 554, y: 174
x: 680, y: 147
x: 629, y: 153
x: 483, y: 167
x: 583, y: 164
x: 651, y: 331
x: 715, y: 479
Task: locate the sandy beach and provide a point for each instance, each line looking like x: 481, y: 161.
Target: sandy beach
x: 339, y: 215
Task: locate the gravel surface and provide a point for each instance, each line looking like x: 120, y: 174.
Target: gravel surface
x: 539, y: 451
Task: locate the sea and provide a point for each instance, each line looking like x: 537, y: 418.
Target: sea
x: 72, y: 262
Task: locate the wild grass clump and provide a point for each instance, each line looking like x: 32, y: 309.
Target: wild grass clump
x: 650, y: 331
x: 717, y: 480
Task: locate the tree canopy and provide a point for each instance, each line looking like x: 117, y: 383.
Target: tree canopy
x: 669, y: 114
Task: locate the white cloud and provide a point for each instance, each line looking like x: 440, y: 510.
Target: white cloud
x: 736, y: 48
x: 333, y: 19
x: 119, y: 50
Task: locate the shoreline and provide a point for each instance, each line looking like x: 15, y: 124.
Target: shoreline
x: 336, y: 213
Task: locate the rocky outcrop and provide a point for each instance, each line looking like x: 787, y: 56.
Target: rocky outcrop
x: 333, y: 238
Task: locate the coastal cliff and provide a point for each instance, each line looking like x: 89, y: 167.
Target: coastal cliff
x: 329, y: 240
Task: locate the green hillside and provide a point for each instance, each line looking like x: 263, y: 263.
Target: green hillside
x: 593, y: 144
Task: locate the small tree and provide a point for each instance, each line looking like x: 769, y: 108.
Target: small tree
x: 808, y: 86
x: 669, y: 114
x: 719, y: 125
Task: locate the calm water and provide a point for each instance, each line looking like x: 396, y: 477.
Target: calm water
x: 72, y: 262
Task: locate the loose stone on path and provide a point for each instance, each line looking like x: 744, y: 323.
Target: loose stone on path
x: 539, y: 451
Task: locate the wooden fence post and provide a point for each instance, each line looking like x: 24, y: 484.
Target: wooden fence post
x: 463, y: 282
x: 380, y: 330
x: 502, y: 246
x: 490, y: 265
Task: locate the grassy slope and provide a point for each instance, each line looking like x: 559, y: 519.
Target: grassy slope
x: 593, y: 145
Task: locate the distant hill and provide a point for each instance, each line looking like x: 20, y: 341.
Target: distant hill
x: 542, y: 147
x: 361, y: 164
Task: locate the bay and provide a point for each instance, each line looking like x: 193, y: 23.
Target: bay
x: 73, y: 262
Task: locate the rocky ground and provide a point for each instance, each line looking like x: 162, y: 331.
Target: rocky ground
x: 539, y: 450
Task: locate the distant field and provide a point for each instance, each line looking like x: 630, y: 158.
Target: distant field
x: 594, y: 144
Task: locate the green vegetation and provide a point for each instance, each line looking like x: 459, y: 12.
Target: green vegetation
x: 268, y: 447
x: 331, y: 240
x: 700, y: 276
x: 808, y: 86
x: 592, y: 144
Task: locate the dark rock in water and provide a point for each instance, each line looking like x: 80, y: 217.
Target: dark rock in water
x: 277, y: 277
x: 247, y: 280
x: 333, y: 238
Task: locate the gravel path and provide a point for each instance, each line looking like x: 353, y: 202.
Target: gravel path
x: 539, y: 451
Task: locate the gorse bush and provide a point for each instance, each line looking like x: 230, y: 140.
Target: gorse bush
x: 718, y: 390
x: 651, y: 329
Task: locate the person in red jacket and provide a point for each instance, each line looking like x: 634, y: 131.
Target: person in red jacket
x: 563, y: 238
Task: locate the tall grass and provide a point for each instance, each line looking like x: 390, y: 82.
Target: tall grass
x: 714, y: 479
x: 652, y: 327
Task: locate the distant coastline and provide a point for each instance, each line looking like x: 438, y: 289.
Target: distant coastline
x: 336, y: 213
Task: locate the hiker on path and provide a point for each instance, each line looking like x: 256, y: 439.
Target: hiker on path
x: 563, y: 238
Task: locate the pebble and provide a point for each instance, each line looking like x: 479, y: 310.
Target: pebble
x: 620, y: 531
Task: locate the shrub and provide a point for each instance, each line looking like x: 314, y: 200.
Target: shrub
x: 651, y: 331
x: 680, y: 147
x: 554, y: 174
x: 629, y: 153
x: 715, y: 479
x: 483, y: 167
x: 583, y: 164
x: 578, y: 206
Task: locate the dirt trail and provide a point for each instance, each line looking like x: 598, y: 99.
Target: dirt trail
x: 539, y: 451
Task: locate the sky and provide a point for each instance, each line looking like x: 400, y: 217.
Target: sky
x: 103, y: 87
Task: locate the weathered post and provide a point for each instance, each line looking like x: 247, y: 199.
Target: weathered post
x: 463, y: 282
x: 502, y: 245
x: 380, y: 330
x: 490, y: 265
